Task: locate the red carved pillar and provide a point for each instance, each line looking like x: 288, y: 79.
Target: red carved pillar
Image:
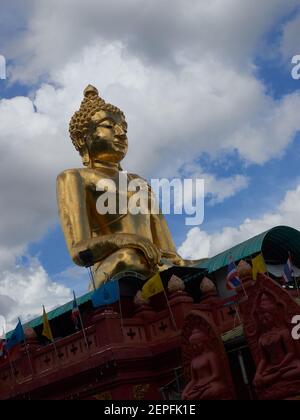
x: 268, y: 313
x: 180, y: 302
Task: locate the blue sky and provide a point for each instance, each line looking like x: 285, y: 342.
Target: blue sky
x: 210, y: 89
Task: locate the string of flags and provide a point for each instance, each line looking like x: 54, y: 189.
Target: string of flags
x: 258, y: 266
x: 107, y: 294
x: 233, y: 280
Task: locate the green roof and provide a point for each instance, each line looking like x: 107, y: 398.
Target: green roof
x: 56, y: 312
x: 275, y: 244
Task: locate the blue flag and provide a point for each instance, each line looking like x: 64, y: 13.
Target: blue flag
x: 16, y: 338
x: 232, y: 279
x: 107, y: 294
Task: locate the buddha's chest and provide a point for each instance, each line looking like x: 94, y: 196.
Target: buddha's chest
x: 118, y: 203
x: 119, y: 193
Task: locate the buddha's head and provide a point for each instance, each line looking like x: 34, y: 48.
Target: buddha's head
x: 267, y: 311
x: 199, y: 340
x: 98, y: 130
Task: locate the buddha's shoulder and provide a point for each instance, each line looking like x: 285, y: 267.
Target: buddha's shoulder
x: 136, y: 176
x: 84, y: 173
x: 70, y: 173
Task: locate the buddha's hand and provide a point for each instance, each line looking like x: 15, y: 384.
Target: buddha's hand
x: 150, y: 251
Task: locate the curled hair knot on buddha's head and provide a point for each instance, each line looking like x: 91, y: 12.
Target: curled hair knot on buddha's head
x: 81, y: 119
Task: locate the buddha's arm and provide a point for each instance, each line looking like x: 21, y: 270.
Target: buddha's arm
x: 214, y: 368
x: 71, y: 196
x: 162, y: 238
x: 289, y: 349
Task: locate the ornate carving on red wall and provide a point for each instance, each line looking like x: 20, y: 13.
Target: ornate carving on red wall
x: 267, y: 325
x: 139, y: 391
x: 206, y: 367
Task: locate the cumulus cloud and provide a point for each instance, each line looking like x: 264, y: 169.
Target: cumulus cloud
x: 200, y: 244
x: 154, y: 33
x: 290, y: 39
x: 25, y: 289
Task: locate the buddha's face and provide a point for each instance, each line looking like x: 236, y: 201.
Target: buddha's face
x: 198, y: 340
x: 107, y: 138
x: 266, y: 320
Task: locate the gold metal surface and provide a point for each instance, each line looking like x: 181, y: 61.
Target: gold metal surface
x: 117, y: 242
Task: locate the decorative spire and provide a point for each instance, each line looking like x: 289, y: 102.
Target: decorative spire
x: 139, y: 300
x: 207, y: 286
x: 244, y: 270
x: 175, y: 284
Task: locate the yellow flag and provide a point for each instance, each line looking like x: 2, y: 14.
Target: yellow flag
x: 152, y: 287
x: 258, y: 266
x: 46, y: 326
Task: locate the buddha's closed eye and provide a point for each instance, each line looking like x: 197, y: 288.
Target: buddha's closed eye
x: 107, y: 125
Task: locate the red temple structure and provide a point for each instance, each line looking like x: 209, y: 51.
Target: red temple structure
x: 204, y: 343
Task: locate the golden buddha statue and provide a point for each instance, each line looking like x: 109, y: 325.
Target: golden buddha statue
x: 115, y: 242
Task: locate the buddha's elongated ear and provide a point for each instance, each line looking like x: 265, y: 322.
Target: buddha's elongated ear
x: 85, y: 157
x: 84, y: 151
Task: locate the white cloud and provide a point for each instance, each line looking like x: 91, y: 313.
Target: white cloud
x: 75, y: 278
x: 217, y: 189
x: 25, y: 289
x: 290, y: 39
x: 200, y: 244
x: 58, y: 30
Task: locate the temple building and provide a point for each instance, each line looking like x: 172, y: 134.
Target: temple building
x: 152, y: 349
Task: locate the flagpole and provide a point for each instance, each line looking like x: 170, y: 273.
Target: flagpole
x: 11, y: 369
x: 26, y: 349
x: 293, y: 274
x: 120, y: 308
x: 10, y: 364
x: 91, y: 277
x: 237, y: 314
x: 82, y: 326
x: 56, y: 351
x: 170, y: 309
x: 50, y: 337
x: 15, y: 381
x: 297, y: 285
x: 244, y: 289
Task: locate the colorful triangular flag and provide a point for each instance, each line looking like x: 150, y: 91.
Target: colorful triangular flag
x: 258, y: 265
